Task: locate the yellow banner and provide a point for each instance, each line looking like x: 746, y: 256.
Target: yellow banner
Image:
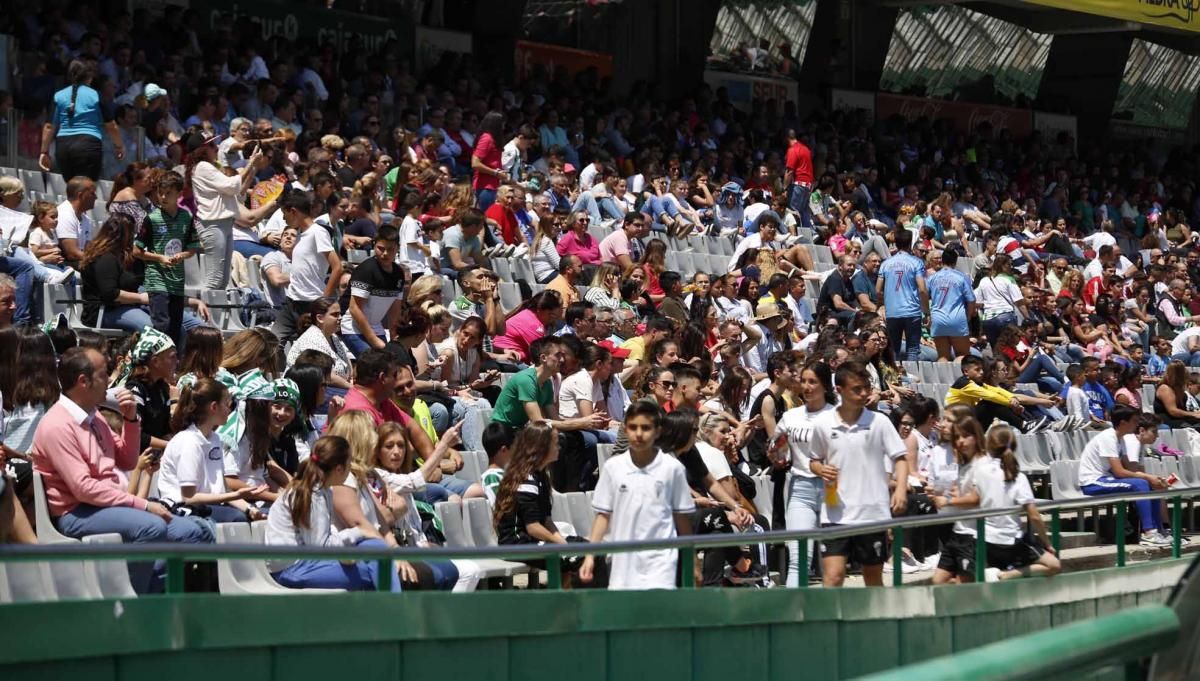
x: 1179, y: 14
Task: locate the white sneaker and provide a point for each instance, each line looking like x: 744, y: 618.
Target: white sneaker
x: 1154, y: 538
x: 521, y: 251
x: 58, y: 277
x: 931, y: 561
x: 991, y: 575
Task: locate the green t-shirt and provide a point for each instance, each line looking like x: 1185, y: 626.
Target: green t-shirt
x: 166, y: 235
x: 389, y: 184
x: 522, y: 388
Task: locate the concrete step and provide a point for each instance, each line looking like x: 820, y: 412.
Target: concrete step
x: 1077, y: 540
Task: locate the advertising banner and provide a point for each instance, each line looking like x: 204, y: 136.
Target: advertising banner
x: 1050, y: 125
x: 1179, y: 14
x: 530, y: 55
x: 294, y: 21
x: 744, y: 88
x: 850, y: 100
x: 432, y: 42
x: 965, y: 116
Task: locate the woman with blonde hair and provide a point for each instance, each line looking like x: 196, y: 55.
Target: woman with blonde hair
x: 426, y: 288
x: 544, y: 254
x: 605, y: 290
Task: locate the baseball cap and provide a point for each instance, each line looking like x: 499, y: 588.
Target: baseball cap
x: 614, y: 349
x: 199, y: 139
x: 153, y: 92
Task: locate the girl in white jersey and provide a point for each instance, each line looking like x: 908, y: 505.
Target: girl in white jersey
x: 806, y: 489
x: 1001, y: 484
x: 957, y: 562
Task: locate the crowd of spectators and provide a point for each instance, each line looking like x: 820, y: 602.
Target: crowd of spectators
x: 387, y: 213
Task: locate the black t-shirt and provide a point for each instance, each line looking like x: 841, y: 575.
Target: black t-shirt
x: 154, y: 408
x: 382, y: 287
x: 362, y: 227
x: 695, y: 470
x: 756, y: 447
x: 837, y: 285
x: 347, y: 176
x: 283, y: 452
x: 533, y: 506
x: 403, y: 354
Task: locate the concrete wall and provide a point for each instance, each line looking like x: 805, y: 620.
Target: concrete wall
x: 717, y: 634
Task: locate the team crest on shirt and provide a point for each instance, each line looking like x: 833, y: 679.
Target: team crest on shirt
x: 623, y: 488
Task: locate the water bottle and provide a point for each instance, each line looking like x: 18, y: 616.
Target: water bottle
x: 831, y: 493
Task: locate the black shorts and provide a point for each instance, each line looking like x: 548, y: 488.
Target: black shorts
x: 958, y: 555
x: 1012, y: 556
x: 864, y: 549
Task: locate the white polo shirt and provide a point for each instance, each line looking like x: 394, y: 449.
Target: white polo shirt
x: 862, y: 452
x: 995, y: 492
x: 642, y: 503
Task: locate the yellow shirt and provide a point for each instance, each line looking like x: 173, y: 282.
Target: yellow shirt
x: 636, y: 347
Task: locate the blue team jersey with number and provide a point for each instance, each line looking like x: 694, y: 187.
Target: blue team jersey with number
x: 949, y: 293
x: 900, y: 294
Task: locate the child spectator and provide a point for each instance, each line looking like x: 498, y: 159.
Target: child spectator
x: 168, y: 237
x: 193, y: 471
x: 303, y: 516
x: 1001, y: 484
x: 497, y: 442
x: 43, y: 239
x: 958, y: 554
x: 642, y: 495
x: 1102, y: 470
x: 1076, y: 399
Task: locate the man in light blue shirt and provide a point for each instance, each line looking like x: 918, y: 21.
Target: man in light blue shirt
x: 901, y: 286
x: 952, y: 304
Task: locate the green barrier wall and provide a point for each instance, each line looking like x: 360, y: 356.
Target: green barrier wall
x: 701, y: 634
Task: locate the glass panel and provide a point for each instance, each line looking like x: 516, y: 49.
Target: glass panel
x: 937, y: 50
x: 1159, y: 86
x: 767, y: 36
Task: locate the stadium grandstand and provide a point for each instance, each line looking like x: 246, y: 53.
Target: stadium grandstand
x: 604, y: 337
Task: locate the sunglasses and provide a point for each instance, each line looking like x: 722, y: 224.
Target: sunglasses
x: 667, y: 384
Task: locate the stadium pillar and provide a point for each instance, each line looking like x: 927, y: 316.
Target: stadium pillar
x: 1082, y: 76
x: 847, y: 46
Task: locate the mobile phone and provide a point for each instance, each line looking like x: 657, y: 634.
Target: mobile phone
x: 156, y: 454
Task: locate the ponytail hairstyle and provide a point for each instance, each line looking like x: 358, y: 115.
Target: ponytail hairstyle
x: 317, y: 307
x: 327, y: 453
x: 79, y: 73
x: 1002, y: 445
x: 195, y: 400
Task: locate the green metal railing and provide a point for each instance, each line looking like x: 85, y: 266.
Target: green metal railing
x: 176, y: 555
x: 1124, y: 638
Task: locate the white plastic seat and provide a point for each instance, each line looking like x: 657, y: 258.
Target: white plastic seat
x: 47, y: 533
x: 112, y: 576
x: 1064, y: 480
x: 479, y: 523
x: 603, y: 453
x: 74, y: 580
x: 582, y: 514
x: 510, y: 295
x: 248, y: 577
x: 29, y: 582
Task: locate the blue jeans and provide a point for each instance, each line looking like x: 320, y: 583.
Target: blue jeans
x: 908, y: 328
x: 1041, y: 370
x: 138, y: 527
x: 803, y: 513
x: 332, y: 574
x: 1147, y: 508
x: 484, y: 198
x: 1191, y: 359
x: 251, y: 248
x: 355, y: 343
x: 445, y: 574
x: 441, y: 491
x: 1070, y: 353
x: 23, y: 273
x: 992, y: 327
x: 798, y: 202
x: 131, y: 318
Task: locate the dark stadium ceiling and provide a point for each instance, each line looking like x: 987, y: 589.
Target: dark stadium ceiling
x: 1043, y: 19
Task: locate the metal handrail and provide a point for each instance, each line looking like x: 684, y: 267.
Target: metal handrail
x: 1066, y: 651
x: 177, y: 554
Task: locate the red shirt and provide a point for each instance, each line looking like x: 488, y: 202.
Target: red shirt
x: 510, y: 229
x: 388, y: 411
x: 799, y: 161
x: 487, y: 152
x: 1092, y: 291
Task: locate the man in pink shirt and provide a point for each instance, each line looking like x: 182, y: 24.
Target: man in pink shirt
x: 622, y: 247
x: 78, y: 456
